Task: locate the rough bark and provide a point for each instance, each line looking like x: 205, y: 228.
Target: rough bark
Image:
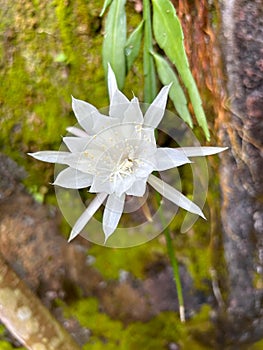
x: 241, y: 173
x: 232, y: 79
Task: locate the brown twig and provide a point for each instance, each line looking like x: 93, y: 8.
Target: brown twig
x: 27, y: 318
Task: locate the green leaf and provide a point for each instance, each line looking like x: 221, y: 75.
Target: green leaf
x: 169, y: 36
x: 148, y: 62
x: 176, y: 93
x: 115, y: 40
x: 105, y: 5
x: 133, y: 44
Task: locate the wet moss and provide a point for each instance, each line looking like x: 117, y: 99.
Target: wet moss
x: 166, y: 329
x: 7, y: 346
x: 36, y: 88
x: 110, y: 262
x: 157, y: 333
x: 4, y: 344
x: 257, y: 346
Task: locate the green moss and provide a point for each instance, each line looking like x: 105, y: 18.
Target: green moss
x: 166, y: 328
x: 103, y: 329
x: 134, y: 260
x: 36, y: 86
x: 5, y: 345
x: 257, y: 346
x: 156, y: 334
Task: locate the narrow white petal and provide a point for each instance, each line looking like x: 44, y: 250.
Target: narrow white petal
x: 112, y: 214
x: 76, y: 131
x: 155, y: 112
x: 118, y: 105
x: 84, y: 161
x: 133, y: 113
x: 73, y: 178
x: 167, y: 158
x: 200, y: 151
x: 103, y: 122
x: 76, y: 144
x: 101, y: 184
x: 118, y: 101
x: 112, y: 82
x: 147, y: 134
x: 87, y: 215
x: 174, y: 196
x: 137, y: 189
x: 51, y: 156
x: 85, y: 113
x: 147, y: 168
x: 123, y: 185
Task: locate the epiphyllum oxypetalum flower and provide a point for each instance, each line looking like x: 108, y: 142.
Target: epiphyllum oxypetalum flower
x: 116, y: 155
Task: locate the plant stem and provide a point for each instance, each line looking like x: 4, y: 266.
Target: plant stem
x: 148, y: 60
x: 150, y: 91
x: 176, y: 274
x: 174, y: 262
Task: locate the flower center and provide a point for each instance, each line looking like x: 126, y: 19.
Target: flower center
x: 123, y: 169
x: 126, y: 167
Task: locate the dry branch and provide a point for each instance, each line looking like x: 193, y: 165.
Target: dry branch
x: 27, y: 318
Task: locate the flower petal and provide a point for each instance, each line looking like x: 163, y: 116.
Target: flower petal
x: 76, y: 144
x: 155, y: 112
x: 103, y: 122
x: 174, y: 196
x: 52, y: 156
x: 85, y: 113
x: 138, y: 188
x: 87, y: 215
x: 122, y: 185
x: 76, y: 131
x: 167, y: 158
x: 201, y: 151
x: 112, y: 82
x: 89, y: 117
x: 133, y: 113
x: 101, y: 184
x: 118, y: 105
x: 112, y: 214
x: 84, y: 161
x: 73, y: 178
x: 118, y: 101
x: 147, y: 134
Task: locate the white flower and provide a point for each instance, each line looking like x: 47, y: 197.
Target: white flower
x: 115, y: 156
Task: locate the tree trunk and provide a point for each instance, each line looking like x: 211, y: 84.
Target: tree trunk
x: 241, y: 171
x: 228, y: 65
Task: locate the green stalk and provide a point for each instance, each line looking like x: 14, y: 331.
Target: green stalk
x: 174, y: 264
x: 150, y: 92
x: 176, y: 274
x: 148, y: 60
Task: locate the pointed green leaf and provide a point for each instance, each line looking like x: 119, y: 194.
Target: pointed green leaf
x: 115, y: 40
x: 133, y: 44
x: 169, y: 36
x: 149, y: 73
x: 105, y: 5
x: 176, y: 93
